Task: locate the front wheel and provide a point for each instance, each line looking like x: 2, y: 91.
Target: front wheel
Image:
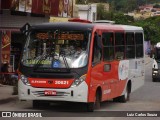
x: 36, y: 104
x: 95, y: 105
x: 154, y: 80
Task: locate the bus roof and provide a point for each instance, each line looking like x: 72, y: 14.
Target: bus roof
x: 64, y: 26
x: 85, y: 26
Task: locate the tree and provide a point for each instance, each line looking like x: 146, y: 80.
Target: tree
x: 120, y: 18
x: 151, y: 28
x: 156, y: 6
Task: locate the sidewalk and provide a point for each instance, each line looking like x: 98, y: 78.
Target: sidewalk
x: 6, y: 94
x: 148, y: 60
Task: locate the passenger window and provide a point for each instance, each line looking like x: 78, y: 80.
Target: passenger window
x: 130, y: 45
x: 97, y: 49
x: 139, y: 44
x: 119, y: 46
x: 108, y: 46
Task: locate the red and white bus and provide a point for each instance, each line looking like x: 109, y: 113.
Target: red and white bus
x: 81, y: 62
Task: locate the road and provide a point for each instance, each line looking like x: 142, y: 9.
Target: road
x: 146, y: 98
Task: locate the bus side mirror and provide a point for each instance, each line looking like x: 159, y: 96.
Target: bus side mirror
x: 25, y: 29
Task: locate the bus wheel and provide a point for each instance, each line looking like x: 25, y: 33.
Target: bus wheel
x: 153, y: 79
x: 94, y: 105
x: 36, y: 104
x: 124, y: 98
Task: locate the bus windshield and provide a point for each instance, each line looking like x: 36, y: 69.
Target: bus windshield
x: 56, y: 49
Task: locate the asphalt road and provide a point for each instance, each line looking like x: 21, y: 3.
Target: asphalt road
x: 146, y: 98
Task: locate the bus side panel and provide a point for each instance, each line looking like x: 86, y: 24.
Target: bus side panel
x: 111, y: 83
x: 137, y: 73
x: 110, y: 78
x: 123, y: 75
x: 96, y: 80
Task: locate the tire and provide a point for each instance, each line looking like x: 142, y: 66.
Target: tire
x: 95, y: 105
x: 36, y: 104
x: 153, y: 79
x: 90, y: 107
x: 124, y: 98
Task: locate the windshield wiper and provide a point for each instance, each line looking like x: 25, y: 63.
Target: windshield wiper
x: 62, y: 53
x: 52, y: 51
x: 51, y: 47
x: 43, y: 57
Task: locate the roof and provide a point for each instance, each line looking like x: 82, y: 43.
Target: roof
x: 64, y: 26
x: 84, y: 26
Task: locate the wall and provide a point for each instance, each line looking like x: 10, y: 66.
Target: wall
x: 87, y: 12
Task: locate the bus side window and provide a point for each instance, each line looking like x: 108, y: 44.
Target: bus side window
x: 130, y: 45
x: 97, y: 49
x: 108, y: 46
x: 139, y: 44
x: 119, y: 46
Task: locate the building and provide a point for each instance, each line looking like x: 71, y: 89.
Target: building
x: 88, y: 12
x: 15, y: 13
x: 12, y: 39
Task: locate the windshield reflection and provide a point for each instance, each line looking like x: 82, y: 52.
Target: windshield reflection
x: 67, y: 49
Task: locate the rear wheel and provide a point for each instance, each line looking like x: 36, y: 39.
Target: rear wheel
x: 124, y: 98
x: 95, y: 105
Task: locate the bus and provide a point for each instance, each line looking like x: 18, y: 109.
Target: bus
x: 81, y: 62
x: 156, y: 63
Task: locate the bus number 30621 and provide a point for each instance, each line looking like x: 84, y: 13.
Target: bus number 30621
x: 61, y: 82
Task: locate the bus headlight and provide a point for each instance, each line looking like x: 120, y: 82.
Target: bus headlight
x: 24, y: 79
x: 79, y: 81
x: 155, y: 71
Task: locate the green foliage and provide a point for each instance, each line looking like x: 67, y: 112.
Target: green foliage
x: 121, y: 5
x: 156, y: 6
x: 151, y: 28
x: 101, y: 13
x: 120, y: 18
x: 151, y: 25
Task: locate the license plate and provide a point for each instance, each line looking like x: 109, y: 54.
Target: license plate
x: 50, y: 93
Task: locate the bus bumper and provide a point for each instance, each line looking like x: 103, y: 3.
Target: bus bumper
x: 72, y: 94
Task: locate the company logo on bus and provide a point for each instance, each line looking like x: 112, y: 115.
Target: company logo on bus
x: 38, y: 81
x: 50, y: 82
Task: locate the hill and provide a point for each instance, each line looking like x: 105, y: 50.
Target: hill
x: 122, y: 5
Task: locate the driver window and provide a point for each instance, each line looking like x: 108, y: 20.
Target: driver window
x: 97, y: 50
